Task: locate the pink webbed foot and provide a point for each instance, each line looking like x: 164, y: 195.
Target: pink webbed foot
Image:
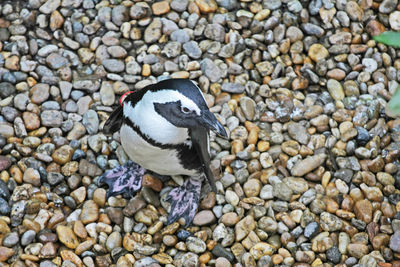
x: 184, y: 201
x: 126, y: 178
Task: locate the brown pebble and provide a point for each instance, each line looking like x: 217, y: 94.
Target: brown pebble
x: 80, y: 230
x: 152, y: 182
x: 208, y: 202
x: 5, y: 253
x: 71, y: 256
x: 363, y: 210
x: 67, y: 236
x: 374, y: 28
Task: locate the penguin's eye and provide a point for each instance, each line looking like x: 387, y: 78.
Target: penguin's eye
x: 185, y: 110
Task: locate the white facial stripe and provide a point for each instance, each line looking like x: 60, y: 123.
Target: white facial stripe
x: 165, y: 96
x: 153, y: 124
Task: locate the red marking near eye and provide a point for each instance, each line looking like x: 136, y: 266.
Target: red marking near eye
x: 121, y: 100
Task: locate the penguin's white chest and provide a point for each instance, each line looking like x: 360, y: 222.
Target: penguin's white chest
x: 154, y: 158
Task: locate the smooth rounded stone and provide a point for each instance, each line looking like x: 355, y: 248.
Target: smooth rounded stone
x: 90, y: 212
x: 10, y: 239
x: 298, y: 133
x: 370, y: 65
x: 387, y: 6
x: 119, y: 14
x: 32, y: 176
x: 252, y: 188
x: 107, y: 95
x: 153, y: 31
x: 260, y: 249
x: 394, y: 20
x: 211, y: 70
x: 6, y: 130
x: 183, y: 234
x: 248, y: 107
x: 354, y: 11
x: 330, y: 222
x: 204, y: 217
x: 171, y: 50
x: 5, y: 253
x: 7, y: 89
x: 267, y: 192
x: 222, y: 262
x: 394, y: 243
x: 335, y: 89
x: 67, y: 236
x: 114, y: 240
x: 28, y: 237
x: 317, y: 52
x: 5, y: 162
x: 21, y: 101
x: 282, y: 191
x: 311, y: 230
x: 63, y: 154
x: 91, y: 121
x: 4, y: 34
x: 49, y: 6
x: 344, y: 241
x: 220, y: 251
x: 385, y: 178
x: 308, y: 164
x: 54, y: 178
x: 265, y: 67
x: 51, y: 118
x: 215, y: 32
x: 234, y: 88
x: 333, y: 254
x: 150, y: 196
x: 195, y: 245
x: 227, y: 180
x: 232, y: 198
x: 47, y: 263
x: 244, y: 227
x: 47, y: 50
x: 363, y: 210
x: 362, y: 153
x: 55, y: 61
x: 113, y: 65
x: 220, y: 232
x: 187, y: 259
x: 179, y: 5
x: 357, y: 250
x: 298, y: 185
x: 146, y: 261
x: 192, y: 49
x: 180, y: 36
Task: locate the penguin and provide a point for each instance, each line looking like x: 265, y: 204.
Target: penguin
x: 164, y: 128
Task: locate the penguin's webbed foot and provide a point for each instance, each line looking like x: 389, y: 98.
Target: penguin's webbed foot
x: 184, y: 201
x: 126, y: 178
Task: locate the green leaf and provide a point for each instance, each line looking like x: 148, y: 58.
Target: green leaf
x: 394, y: 103
x: 389, y: 38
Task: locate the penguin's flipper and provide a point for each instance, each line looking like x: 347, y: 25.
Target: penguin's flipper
x: 126, y: 178
x: 184, y: 201
x: 114, y: 122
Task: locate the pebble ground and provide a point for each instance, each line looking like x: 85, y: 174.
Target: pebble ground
x: 309, y: 176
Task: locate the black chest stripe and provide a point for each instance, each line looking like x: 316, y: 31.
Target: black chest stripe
x: 187, y: 156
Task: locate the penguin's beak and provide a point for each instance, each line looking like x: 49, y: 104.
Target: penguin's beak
x: 209, y: 121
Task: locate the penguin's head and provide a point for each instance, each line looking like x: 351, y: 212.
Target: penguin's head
x: 181, y: 102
